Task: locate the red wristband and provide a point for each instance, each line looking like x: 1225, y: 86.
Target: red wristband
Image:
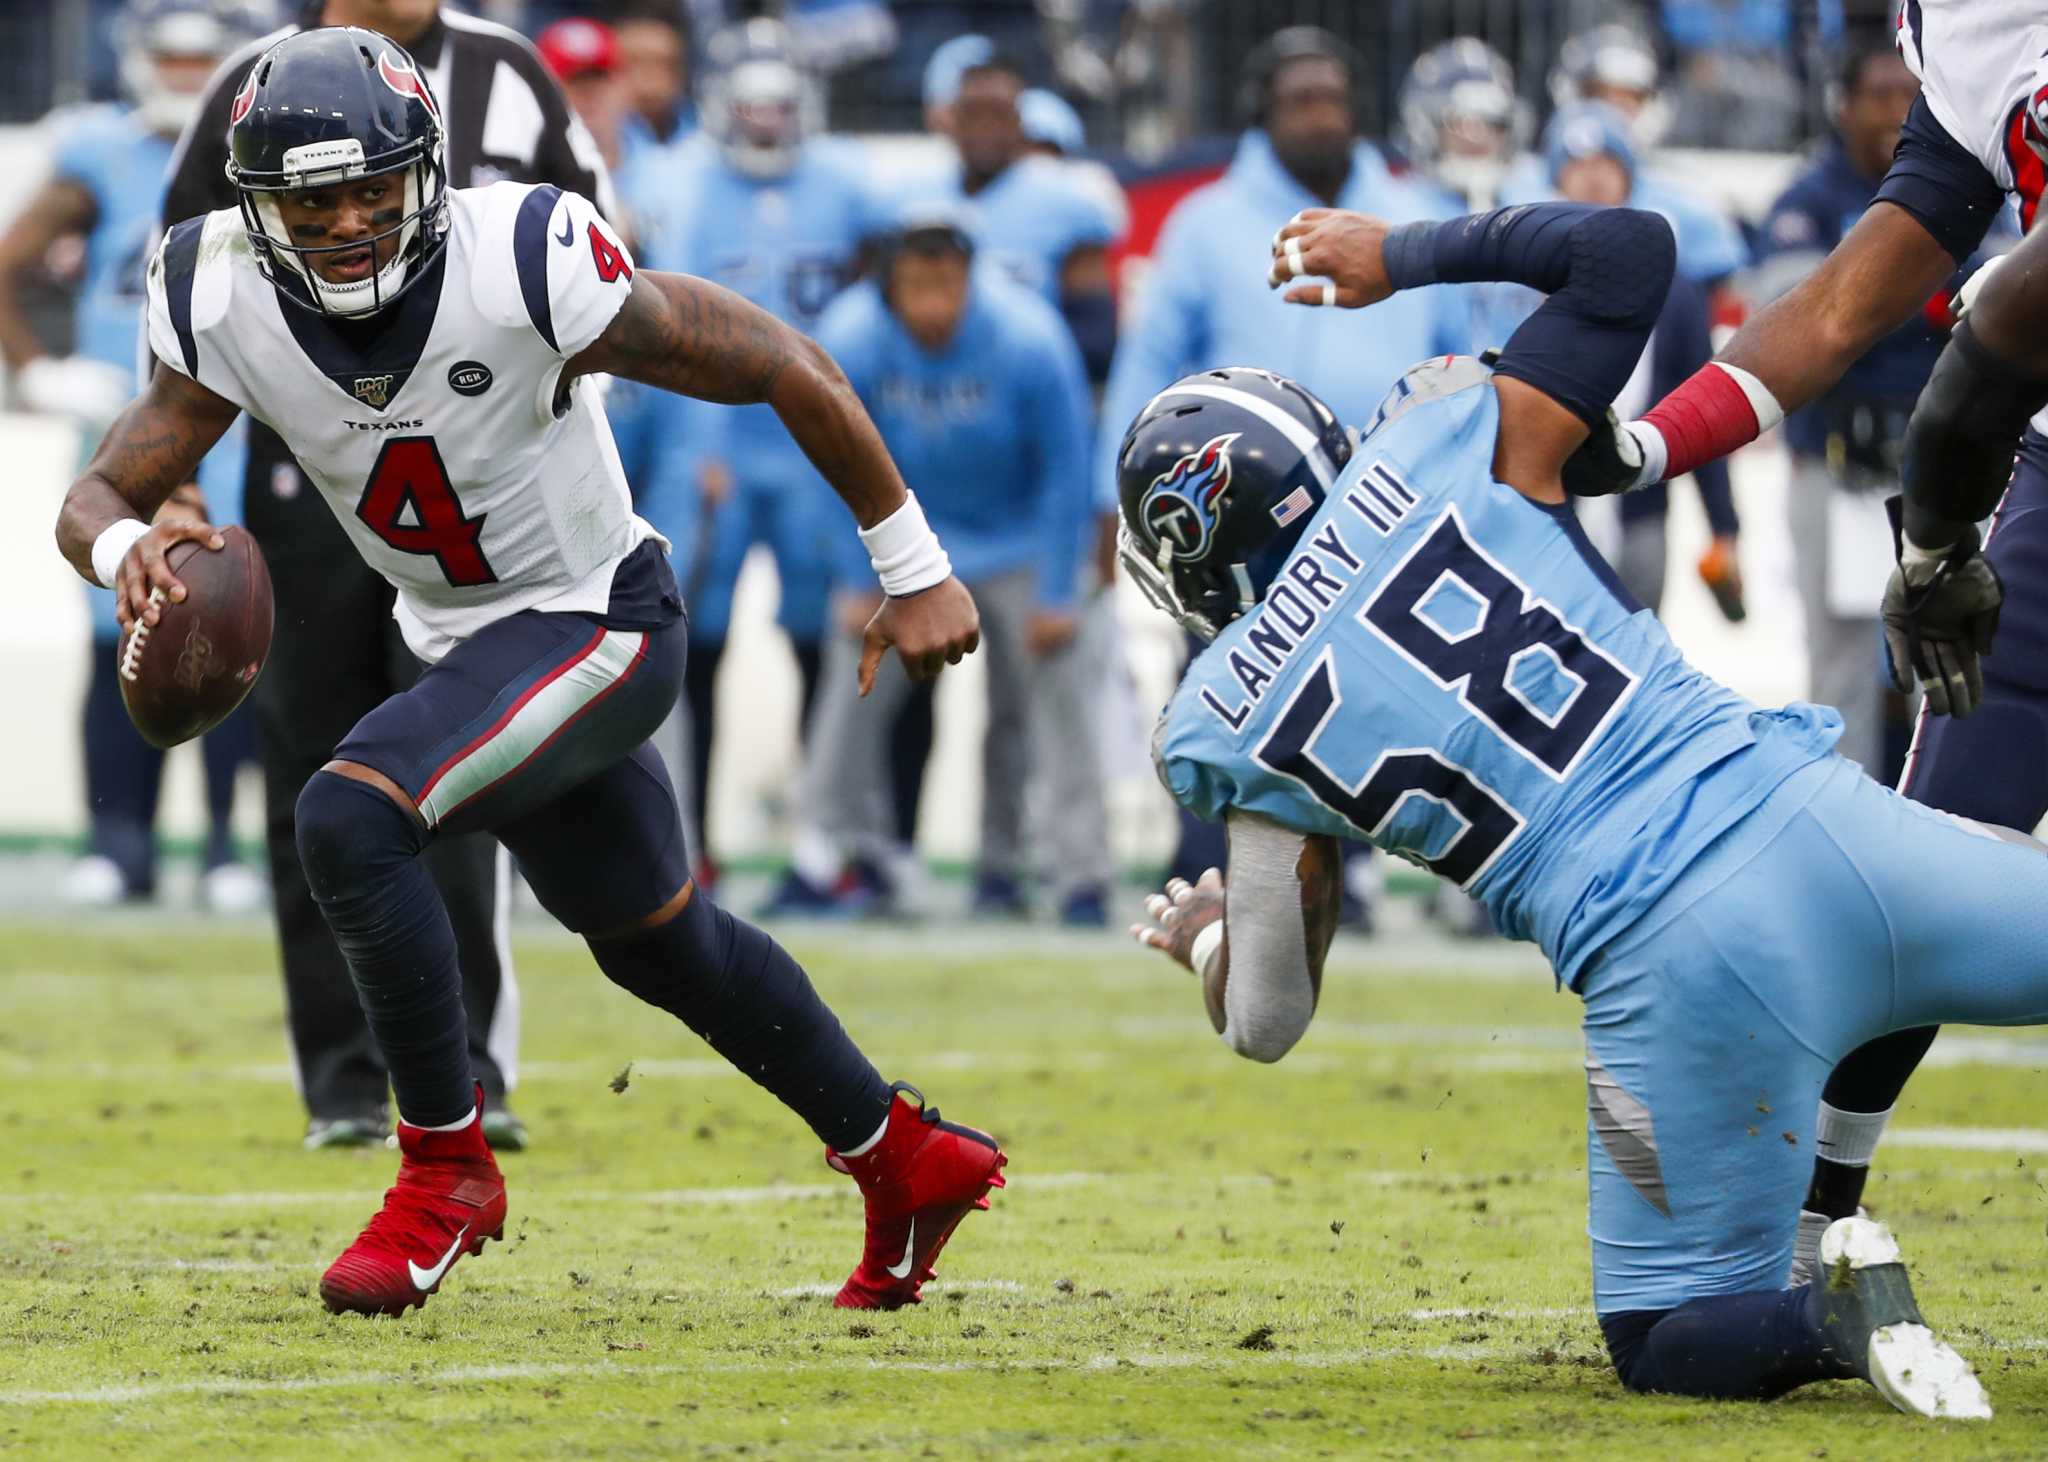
x: 1707, y: 417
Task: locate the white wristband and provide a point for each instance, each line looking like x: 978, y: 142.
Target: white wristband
x: 1203, y: 950
x: 907, y: 555
x: 112, y: 546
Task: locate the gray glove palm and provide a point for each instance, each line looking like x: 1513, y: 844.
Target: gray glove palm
x: 1939, y: 619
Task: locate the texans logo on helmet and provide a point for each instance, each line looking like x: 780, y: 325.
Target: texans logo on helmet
x: 1180, y: 506
x: 406, y: 82
x: 245, y: 98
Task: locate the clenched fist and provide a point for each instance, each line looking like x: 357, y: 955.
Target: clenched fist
x: 1344, y: 248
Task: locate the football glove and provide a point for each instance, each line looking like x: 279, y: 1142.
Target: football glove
x: 1939, y: 618
x: 1611, y: 460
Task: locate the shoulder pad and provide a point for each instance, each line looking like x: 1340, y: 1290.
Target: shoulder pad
x: 1432, y: 380
x: 486, y: 217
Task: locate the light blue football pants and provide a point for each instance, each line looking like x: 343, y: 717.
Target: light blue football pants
x: 1835, y: 912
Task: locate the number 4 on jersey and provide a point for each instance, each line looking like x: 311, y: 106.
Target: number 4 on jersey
x: 410, y: 504
x: 611, y: 262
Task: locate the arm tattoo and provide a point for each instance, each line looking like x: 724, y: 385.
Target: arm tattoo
x: 691, y: 336
x: 150, y: 451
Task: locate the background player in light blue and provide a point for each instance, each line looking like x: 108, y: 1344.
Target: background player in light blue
x: 1615, y: 64
x: 1415, y: 645
x: 1027, y: 214
x: 761, y: 204
x: 978, y: 392
x: 106, y: 184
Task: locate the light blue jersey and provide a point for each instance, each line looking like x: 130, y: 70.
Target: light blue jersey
x: 1029, y: 219
x: 788, y: 244
x: 121, y: 164
x: 1447, y: 669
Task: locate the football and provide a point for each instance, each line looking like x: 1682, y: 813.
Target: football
x: 182, y: 676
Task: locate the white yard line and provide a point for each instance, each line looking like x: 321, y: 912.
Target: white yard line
x: 1026, y: 1182
x: 413, y: 1383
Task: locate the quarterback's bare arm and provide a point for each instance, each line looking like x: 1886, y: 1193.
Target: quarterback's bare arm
x: 1259, y: 944
x: 693, y: 337
x: 151, y: 450
x: 690, y: 336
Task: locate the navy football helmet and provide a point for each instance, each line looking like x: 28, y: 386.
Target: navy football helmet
x: 760, y: 104
x: 329, y: 106
x: 153, y: 36
x: 1461, y: 121
x: 1217, y: 478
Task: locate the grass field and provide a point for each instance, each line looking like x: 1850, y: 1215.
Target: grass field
x: 1374, y: 1249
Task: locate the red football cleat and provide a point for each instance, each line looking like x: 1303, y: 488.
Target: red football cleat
x: 919, y: 1181
x: 448, y: 1199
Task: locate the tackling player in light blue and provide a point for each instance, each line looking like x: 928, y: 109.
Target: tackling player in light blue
x: 1414, y: 645
x: 761, y: 204
x: 106, y: 181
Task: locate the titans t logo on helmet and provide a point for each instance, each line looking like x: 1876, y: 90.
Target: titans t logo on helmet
x: 1180, y: 507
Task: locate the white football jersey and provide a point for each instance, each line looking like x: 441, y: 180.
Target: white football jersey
x: 1983, y: 68
x: 438, y: 445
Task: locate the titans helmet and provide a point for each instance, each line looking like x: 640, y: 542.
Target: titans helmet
x: 759, y: 103
x: 1461, y: 121
x: 1216, y: 479
x: 331, y: 106
x: 152, y: 36
x: 1614, y: 63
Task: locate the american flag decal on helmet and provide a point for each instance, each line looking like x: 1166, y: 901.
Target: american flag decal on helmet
x: 1292, y: 506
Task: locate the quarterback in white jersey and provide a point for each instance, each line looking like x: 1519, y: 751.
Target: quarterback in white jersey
x: 428, y: 355
x: 462, y: 384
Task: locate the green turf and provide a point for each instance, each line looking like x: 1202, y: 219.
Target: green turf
x: 1376, y: 1248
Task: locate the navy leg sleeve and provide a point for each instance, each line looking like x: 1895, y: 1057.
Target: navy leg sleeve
x: 753, y: 1004
x: 1735, y: 1347
x: 360, y: 851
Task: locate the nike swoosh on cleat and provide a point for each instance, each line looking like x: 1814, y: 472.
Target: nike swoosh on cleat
x: 426, y: 1279
x: 568, y: 234
x: 902, y: 1270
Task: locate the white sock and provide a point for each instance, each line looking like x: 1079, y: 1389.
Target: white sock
x: 452, y: 1126
x: 1848, y: 1138
x: 866, y: 1147
x: 1806, y: 1247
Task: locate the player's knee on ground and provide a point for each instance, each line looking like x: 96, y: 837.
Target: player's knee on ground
x: 1626, y: 1336
x: 348, y: 833
x: 1735, y: 1347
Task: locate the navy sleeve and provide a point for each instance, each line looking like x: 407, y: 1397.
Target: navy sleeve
x: 1938, y: 181
x: 1606, y: 270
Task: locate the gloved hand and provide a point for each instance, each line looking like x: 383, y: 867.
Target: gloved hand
x: 1940, y: 613
x: 1609, y: 461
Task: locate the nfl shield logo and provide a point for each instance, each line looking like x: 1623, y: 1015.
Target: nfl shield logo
x: 373, y: 390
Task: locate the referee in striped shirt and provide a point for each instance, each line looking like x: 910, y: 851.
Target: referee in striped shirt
x: 337, y: 651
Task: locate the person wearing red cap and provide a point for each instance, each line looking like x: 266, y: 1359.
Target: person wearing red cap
x: 584, y: 57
